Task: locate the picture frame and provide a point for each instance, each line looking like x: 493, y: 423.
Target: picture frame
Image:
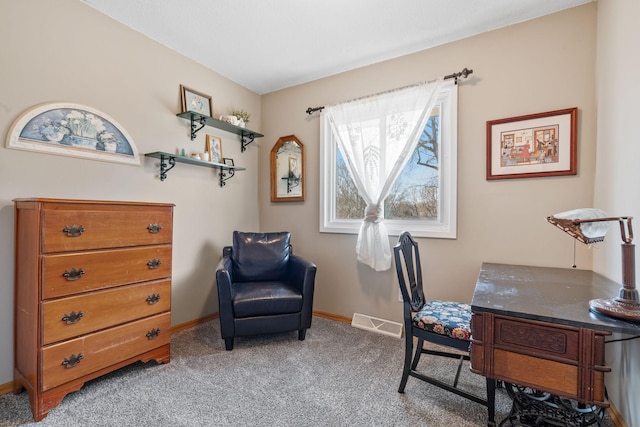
x: 534, y: 145
x: 214, y: 148
x: 72, y: 130
x: 195, y: 101
x: 227, y: 161
x: 287, y: 170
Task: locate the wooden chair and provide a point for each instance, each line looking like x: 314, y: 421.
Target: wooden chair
x: 445, y: 323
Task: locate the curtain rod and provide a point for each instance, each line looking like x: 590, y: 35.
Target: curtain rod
x: 464, y: 74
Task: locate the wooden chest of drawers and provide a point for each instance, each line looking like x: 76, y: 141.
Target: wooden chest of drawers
x: 92, y: 292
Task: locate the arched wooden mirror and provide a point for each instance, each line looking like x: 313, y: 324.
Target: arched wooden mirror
x: 287, y: 170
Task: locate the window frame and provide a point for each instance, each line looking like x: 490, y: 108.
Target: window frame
x: 445, y: 226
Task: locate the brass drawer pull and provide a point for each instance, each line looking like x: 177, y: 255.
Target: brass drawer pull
x: 72, y: 318
x: 72, y: 361
x: 73, y: 274
x: 153, y: 334
x: 154, y: 263
x: 154, y: 228
x: 153, y: 299
x: 73, y: 231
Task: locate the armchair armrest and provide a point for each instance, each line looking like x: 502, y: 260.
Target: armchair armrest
x: 224, y: 280
x: 302, y: 274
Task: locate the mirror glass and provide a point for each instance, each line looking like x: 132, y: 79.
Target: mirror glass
x: 287, y: 170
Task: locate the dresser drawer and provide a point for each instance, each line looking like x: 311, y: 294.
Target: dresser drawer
x: 67, y: 274
x: 102, y: 349
x: 82, y: 227
x: 81, y: 314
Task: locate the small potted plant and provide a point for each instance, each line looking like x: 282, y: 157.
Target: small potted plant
x: 242, y: 116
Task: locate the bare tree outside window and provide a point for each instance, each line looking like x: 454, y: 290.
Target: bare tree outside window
x: 423, y: 199
x: 414, y: 195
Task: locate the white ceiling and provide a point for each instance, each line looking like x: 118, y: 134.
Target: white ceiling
x: 269, y: 45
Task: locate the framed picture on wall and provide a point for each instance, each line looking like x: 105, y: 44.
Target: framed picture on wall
x: 195, y: 101
x: 214, y: 148
x: 542, y: 144
x: 72, y: 130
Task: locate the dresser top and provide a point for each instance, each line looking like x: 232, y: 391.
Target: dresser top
x: 556, y: 295
x: 85, y: 202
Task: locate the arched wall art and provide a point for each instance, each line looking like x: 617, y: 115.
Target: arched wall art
x: 72, y: 130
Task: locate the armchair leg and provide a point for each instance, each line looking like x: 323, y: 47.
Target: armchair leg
x: 301, y: 334
x: 228, y: 344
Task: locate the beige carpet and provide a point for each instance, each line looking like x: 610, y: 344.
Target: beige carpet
x: 338, y: 376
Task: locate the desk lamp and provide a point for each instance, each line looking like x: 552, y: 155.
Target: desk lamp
x: 590, y: 226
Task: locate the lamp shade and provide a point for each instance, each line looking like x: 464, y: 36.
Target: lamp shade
x: 584, y: 224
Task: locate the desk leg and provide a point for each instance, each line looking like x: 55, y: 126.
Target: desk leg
x: 534, y: 408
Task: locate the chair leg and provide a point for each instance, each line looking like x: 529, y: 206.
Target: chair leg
x: 416, y: 359
x: 301, y: 334
x: 491, y: 401
x: 228, y: 344
x: 408, y: 352
x: 455, y: 381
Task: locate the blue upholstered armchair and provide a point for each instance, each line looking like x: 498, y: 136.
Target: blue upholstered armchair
x: 263, y: 288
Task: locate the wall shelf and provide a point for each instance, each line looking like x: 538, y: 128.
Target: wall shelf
x: 198, y: 121
x: 168, y: 161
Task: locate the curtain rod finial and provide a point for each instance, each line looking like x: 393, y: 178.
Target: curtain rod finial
x: 311, y: 110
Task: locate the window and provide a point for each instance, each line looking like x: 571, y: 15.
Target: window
x: 423, y: 199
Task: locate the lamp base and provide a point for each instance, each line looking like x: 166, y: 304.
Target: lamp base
x: 618, y: 308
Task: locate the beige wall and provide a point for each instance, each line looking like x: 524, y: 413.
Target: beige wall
x: 617, y: 174
x: 66, y: 51
x: 540, y: 65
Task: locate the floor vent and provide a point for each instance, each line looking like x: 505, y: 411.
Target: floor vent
x: 381, y: 326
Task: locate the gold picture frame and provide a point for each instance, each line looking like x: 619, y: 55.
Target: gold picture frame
x: 214, y: 148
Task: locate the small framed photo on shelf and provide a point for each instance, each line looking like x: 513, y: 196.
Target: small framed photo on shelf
x: 195, y: 101
x: 214, y: 148
x: 228, y: 162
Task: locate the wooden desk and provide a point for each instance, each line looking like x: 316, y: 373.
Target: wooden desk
x: 532, y: 326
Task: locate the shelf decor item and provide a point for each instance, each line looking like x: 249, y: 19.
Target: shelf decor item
x: 195, y: 101
x: 242, y: 116
x: 72, y: 130
x: 214, y: 148
x: 542, y: 144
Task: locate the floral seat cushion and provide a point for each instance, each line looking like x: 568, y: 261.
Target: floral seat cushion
x: 447, y: 318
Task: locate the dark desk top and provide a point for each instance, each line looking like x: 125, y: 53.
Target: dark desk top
x: 556, y: 295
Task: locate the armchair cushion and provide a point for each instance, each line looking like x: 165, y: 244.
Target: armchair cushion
x: 267, y: 261
x: 265, y: 298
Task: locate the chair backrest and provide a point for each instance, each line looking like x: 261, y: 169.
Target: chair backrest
x: 260, y: 256
x: 407, y: 257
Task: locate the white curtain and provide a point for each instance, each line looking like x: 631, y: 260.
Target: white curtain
x: 377, y: 136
